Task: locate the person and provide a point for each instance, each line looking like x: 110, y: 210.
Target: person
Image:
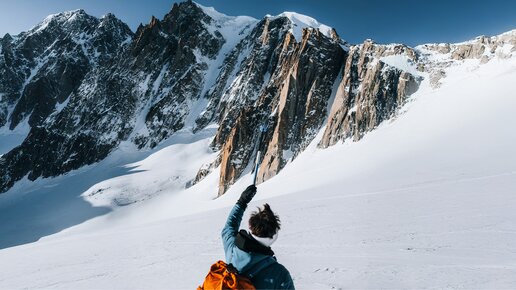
x: 250, y: 253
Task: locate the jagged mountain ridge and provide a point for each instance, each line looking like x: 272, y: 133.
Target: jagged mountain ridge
x: 51, y: 60
x: 197, y: 67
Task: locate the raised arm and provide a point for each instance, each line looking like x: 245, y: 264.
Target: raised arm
x: 232, y: 225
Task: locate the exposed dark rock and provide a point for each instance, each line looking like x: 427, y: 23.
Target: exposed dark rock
x: 369, y: 93
x: 296, y: 92
x: 152, y: 77
x: 42, y: 68
x: 85, y: 84
x: 47, y: 154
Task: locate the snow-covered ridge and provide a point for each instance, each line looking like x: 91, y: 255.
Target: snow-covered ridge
x: 231, y: 27
x: 217, y: 16
x: 505, y: 38
x: 431, y: 56
x: 482, y: 49
x: 300, y: 21
x: 67, y: 16
x: 498, y: 37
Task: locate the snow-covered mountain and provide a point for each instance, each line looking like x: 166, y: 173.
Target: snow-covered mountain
x: 84, y: 85
x: 390, y: 166
x: 42, y: 67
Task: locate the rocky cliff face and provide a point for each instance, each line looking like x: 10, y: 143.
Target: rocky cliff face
x: 41, y: 71
x: 370, y: 91
x: 142, y: 92
x: 356, y: 88
x: 42, y: 67
x: 84, y: 85
x: 292, y: 99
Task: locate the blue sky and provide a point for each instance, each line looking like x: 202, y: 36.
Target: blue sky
x: 408, y: 21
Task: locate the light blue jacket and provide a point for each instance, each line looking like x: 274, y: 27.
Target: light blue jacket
x: 264, y: 271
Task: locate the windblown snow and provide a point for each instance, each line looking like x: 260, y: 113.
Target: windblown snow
x: 424, y: 201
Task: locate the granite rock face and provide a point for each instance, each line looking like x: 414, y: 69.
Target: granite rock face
x: 370, y: 91
x: 282, y: 82
x: 304, y: 87
x: 83, y: 85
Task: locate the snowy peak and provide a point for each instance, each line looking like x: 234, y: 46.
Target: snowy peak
x: 63, y: 19
x: 214, y: 14
x: 43, y: 65
x: 81, y: 28
x: 220, y: 18
x: 299, y: 22
x: 111, y: 20
x: 188, y: 24
x: 64, y: 16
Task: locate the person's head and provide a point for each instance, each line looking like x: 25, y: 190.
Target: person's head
x: 264, y: 223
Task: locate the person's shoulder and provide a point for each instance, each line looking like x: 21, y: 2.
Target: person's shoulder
x: 279, y: 269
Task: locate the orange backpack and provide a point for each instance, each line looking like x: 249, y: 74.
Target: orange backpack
x: 223, y: 276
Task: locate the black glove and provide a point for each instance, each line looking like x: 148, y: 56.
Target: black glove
x: 247, y: 195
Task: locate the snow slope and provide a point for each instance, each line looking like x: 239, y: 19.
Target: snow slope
x: 13, y: 138
x: 425, y: 201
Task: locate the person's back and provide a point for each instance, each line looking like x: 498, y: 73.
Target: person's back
x: 276, y: 276
x: 250, y: 253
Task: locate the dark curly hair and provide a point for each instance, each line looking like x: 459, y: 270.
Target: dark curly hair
x: 264, y: 223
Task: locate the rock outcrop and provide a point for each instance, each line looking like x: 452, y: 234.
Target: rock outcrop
x: 304, y: 86
x: 83, y: 85
x: 40, y: 68
x: 281, y: 81
x: 370, y: 92
x: 437, y: 56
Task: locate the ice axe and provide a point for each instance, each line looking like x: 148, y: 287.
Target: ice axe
x: 263, y: 129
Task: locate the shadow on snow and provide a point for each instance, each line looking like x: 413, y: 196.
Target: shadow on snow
x: 32, y: 210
